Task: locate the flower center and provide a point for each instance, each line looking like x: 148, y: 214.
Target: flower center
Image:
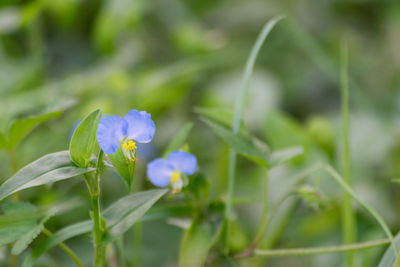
x: 175, y: 177
x: 129, y: 146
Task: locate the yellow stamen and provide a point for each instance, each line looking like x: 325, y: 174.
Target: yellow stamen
x: 130, y: 146
x: 175, y: 177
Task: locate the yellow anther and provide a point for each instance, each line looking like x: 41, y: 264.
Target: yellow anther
x: 130, y: 146
x: 175, y: 177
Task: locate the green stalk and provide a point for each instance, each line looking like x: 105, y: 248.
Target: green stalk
x: 320, y: 250
x: 365, y: 205
x: 239, y: 106
x: 264, y: 217
x: 348, y: 216
x: 66, y: 249
x: 93, y: 184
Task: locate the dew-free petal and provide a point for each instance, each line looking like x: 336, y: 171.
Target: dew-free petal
x: 159, y: 172
x: 141, y: 127
x: 183, y: 161
x: 110, y: 132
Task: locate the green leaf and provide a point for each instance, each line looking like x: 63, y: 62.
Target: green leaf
x: 13, y: 231
x: 196, y: 243
x: 121, y: 215
x: 23, y: 242
x: 47, y: 169
x: 123, y: 166
x: 390, y: 259
x: 179, y: 139
x: 83, y: 141
x: 240, y: 144
x: 21, y: 128
x: 56, y: 238
x: 279, y: 157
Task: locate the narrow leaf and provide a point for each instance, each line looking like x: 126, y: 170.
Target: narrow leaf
x: 120, y: 216
x: 126, y: 211
x: 179, y: 139
x: 390, y: 258
x: 23, y: 242
x: 58, y: 237
x: 49, y: 168
x: 83, y: 141
x: 240, y: 144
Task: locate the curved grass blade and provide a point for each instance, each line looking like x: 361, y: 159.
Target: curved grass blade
x: 239, y: 106
x: 49, y: 168
x: 389, y: 259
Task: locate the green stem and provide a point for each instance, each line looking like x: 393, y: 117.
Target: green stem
x: 348, y: 216
x: 239, y: 106
x: 264, y: 217
x: 93, y: 184
x: 121, y: 254
x: 320, y: 250
x: 66, y: 249
x: 372, y: 211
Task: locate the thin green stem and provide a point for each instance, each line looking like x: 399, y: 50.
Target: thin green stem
x: 239, y: 106
x: 121, y: 254
x: 348, y: 216
x: 66, y: 249
x: 320, y: 250
x: 93, y: 184
x: 365, y: 205
x: 264, y: 217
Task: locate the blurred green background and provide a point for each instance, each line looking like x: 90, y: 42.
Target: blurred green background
x: 170, y: 56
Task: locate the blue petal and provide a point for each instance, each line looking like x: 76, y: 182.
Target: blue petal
x: 159, y: 172
x: 141, y: 127
x: 110, y: 132
x: 183, y: 161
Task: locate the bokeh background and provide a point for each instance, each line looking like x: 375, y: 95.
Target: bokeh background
x: 169, y: 57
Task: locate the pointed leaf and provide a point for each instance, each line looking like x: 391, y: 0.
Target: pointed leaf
x: 23, y: 242
x: 83, y: 141
x: 389, y: 258
x: 21, y: 128
x: 179, y: 139
x: 47, y: 169
x: 58, y: 237
x: 121, y: 215
x: 240, y: 144
x: 123, y: 166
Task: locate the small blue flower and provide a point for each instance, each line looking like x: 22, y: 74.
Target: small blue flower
x: 162, y: 172
x: 136, y: 126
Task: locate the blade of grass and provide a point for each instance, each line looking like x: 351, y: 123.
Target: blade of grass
x: 239, y: 106
x: 348, y: 216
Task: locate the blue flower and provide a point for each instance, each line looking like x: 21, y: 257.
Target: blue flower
x: 162, y: 172
x: 136, y: 126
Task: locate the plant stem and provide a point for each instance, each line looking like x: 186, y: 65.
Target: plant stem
x: 239, y: 106
x: 348, y: 216
x: 372, y: 211
x: 93, y: 184
x: 14, y: 167
x: 264, y: 217
x: 320, y: 250
x: 66, y: 249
